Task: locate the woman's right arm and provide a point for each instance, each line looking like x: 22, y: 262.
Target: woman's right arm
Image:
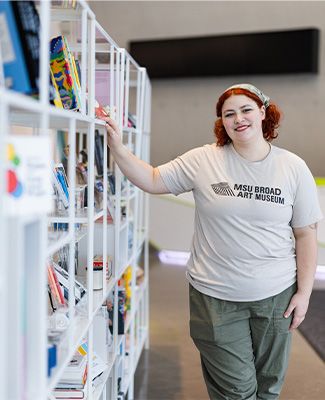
x: 137, y: 171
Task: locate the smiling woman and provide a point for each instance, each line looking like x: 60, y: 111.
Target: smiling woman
x: 253, y: 256
x: 269, y: 124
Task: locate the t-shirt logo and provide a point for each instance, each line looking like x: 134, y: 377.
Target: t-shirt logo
x: 223, y: 189
x: 251, y: 192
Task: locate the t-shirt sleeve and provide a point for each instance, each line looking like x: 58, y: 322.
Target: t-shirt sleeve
x: 179, y: 174
x: 306, y: 208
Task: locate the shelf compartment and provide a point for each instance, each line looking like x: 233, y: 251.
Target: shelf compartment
x: 79, y: 330
x: 81, y: 216
x: 57, y: 240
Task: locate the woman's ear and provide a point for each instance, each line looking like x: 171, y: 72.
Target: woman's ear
x: 263, y: 112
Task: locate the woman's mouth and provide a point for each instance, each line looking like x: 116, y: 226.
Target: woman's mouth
x: 241, y: 128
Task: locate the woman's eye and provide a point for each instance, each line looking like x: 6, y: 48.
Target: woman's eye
x: 228, y: 115
x: 247, y: 110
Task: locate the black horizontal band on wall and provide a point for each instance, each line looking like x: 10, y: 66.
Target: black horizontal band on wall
x: 276, y: 52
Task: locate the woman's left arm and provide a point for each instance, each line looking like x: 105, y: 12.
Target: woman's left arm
x: 306, y: 258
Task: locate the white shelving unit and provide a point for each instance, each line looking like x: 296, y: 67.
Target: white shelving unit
x: 27, y: 239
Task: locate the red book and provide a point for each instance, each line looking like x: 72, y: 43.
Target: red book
x: 54, y: 284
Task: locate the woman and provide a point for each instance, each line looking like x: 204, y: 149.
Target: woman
x: 254, y: 248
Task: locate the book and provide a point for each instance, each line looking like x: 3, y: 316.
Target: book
x: 74, y: 71
x: 70, y: 386
x: 54, y: 285
x: 76, y: 371
x: 60, y: 184
x: 127, y: 278
x: 20, y: 26
x: 74, y: 379
x: 55, y: 98
x: 121, y: 311
x: 132, y: 120
x: 69, y: 393
x: 62, y: 178
x: 64, y: 72
x: 63, y: 278
x: 99, y: 153
x: 51, y: 357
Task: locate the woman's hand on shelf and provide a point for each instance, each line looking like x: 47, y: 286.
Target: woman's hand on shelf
x: 114, y: 137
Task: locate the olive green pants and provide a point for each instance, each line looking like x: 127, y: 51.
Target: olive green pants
x: 244, y: 346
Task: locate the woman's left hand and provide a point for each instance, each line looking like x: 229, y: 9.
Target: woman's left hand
x: 298, y: 306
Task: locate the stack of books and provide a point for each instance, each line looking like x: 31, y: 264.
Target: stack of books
x: 73, y: 384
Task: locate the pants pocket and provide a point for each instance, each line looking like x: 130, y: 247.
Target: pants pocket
x: 205, y: 315
x: 281, y: 303
x: 281, y: 324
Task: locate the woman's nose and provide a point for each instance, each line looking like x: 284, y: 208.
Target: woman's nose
x: 238, y: 117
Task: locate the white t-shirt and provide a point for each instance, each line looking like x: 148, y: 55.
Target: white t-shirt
x: 243, y: 245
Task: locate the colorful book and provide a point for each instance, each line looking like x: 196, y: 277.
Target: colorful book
x: 64, y: 73
x: 73, y: 68
x: 55, y: 98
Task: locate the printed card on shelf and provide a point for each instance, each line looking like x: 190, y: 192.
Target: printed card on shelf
x: 28, y: 176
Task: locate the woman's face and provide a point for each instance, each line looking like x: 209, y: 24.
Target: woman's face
x: 242, y: 118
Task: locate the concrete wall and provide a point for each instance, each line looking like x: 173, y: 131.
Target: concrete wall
x: 183, y: 110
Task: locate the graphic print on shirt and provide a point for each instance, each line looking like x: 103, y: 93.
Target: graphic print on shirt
x: 253, y: 192
x: 223, y: 189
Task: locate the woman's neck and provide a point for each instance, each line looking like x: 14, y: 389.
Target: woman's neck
x: 256, y: 151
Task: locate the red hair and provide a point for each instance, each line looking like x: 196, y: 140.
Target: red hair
x: 269, y: 124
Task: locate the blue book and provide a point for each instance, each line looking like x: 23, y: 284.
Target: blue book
x: 62, y: 181
x: 19, y: 26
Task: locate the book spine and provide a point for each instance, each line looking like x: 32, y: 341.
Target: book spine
x: 56, y: 95
x: 58, y: 186
x: 73, y: 71
x: 85, y: 375
x: 99, y: 154
x: 62, y: 183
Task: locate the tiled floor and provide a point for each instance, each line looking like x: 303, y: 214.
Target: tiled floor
x: 171, y: 370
